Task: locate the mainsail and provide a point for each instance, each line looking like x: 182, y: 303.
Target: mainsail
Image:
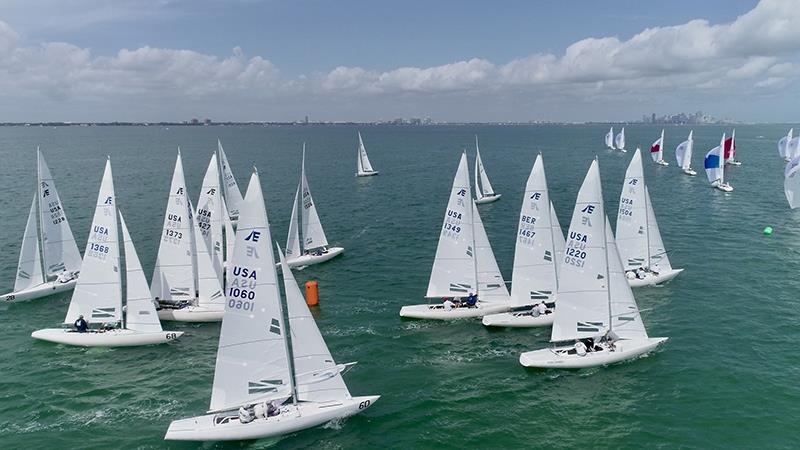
x: 233, y: 197
x: 364, y: 165
x: 59, y: 250
x: 657, y: 149
x: 313, y: 234
x: 620, y: 140
x: 610, y: 138
x: 684, y: 153
x: 29, y: 269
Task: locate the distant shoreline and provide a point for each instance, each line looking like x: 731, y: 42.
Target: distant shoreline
x: 304, y: 124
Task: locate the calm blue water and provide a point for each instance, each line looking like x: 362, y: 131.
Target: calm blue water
x: 727, y: 377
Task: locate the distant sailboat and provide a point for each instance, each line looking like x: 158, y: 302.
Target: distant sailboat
x: 638, y: 237
x: 483, y: 190
x: 49, y: 260
x: 730, y: 150
x: 210, y: 216
x: 784, y: 150
x: 683, y: 153
x: 185, y: 285
x: 98, y: 293
x: 657, y: 151
x: 610, y: 139
x: 264, y: 383
x: 464, y: 262
x: 620, y: 141
x: 313, y: 249
x: 537, y: 255
x: 364, y: 167
x: 596, y: 308
x: 714, y: 164
x: 791, y: 182
x: 233, y: 197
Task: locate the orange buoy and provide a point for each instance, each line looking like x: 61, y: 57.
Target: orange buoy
x: 312, y: 293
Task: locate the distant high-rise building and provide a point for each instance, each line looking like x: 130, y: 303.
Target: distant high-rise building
x: 306, y: 119
x: 653, y: 118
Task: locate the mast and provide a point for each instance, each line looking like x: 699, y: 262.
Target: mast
x: 552, y: 236
x: 646, y: 220
x: 478, y: 189
x: 605, y: 247
x: 41, y: 212
x: 286, y: 332
x: 472, y: 219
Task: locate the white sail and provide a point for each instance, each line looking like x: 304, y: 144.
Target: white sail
x: 454, y: 271
x: 174, y: 272
x: 140, y: 312
x: 29, y: 269
x: 730, y: 149
x: 230, y: 235
x: 98, y: 292
x: 209, y: 215
x: 534, y: 276
x: 783, y: 145
x: 793, y: 147
x: 59, y: 250
x: 363, y: 160
x: 491, y: 286
x: 209, y: 285
x: 313, y: 234
x: 632, y: 230
x: 620, y: 139
x: 683, y: 153
x: 714, y: 163
x: 317, y: 377
x: 293, y: 240
x: 659, y: 261
x: 559, y: 243
x: 485, y: 187
x: 252, y: 358
x: 626, y: 322
x: 657, y: 149
x: 233, y: 197
x: 610, y: 138
x: 583, y: 301
x: 791, y: 182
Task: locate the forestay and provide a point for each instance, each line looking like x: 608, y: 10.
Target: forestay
x: 317, y: 378
x: 293, y: 239
x: 233, y: 197
x: 98, y: 292
x: 140, y: 312
x: 454, y: 271
x: 534, y: 276
x: 491, y: 286
x: 174, y: 272
x: 252, y: 358
x: 59, y: 250
x: 683, y: 153
x: 583, y: 302
x: 313, y: 234
x: 29, y: 269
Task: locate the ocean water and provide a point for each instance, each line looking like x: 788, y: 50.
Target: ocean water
x: 726, y: 378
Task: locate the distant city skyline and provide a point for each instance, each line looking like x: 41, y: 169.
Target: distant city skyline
x: 362, y: 61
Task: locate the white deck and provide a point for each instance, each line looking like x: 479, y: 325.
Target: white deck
x: 651, y: 280
x: 437, y: 311
x: 110, y: 338
x: 560, y: 358
x: 39, y: 291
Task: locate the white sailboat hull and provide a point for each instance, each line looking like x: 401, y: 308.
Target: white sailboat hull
x: 192, y: 314
x: 291, y: 418
x: 734, y: 163
x: 437, y: 312
x: 690, y: 172
x: 367, y: 174
x: 309, y: 259
x: 518, y: 319
x: 488, y: 199
x: 662, y: 163
x: 724, y: 187
x: 39, y: 291
x: 110, y: 338
x: 558, y: 358
x: 651, y: 280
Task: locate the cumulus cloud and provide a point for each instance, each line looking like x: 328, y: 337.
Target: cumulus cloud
x: 756, y: 52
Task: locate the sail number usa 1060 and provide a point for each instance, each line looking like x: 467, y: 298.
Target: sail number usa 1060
x: 242, y: 289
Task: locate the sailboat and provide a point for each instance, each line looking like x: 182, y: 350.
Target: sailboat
x: 714, y: 164
x: 210, y: 216
x: 364, y: 167
x: 620, y: 141
x: 638, y: 237
x: 730, y: 150
x: 483, y: 191
x: 596, y: 308
x: 657, y: 151
x: 539, y: 248
x: 49, y: 260
x: 185, y: 285
x: 683, y: 153
x: 314, y: 248
x: 233, y: 197
x: 264, y: 383
x: 464, y: 262
x: 610, y: 139
x: 98, y: 293
x: 791, y: 182
x: 784, y: 148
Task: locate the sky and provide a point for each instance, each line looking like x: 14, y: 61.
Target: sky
x: 352, y: 60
